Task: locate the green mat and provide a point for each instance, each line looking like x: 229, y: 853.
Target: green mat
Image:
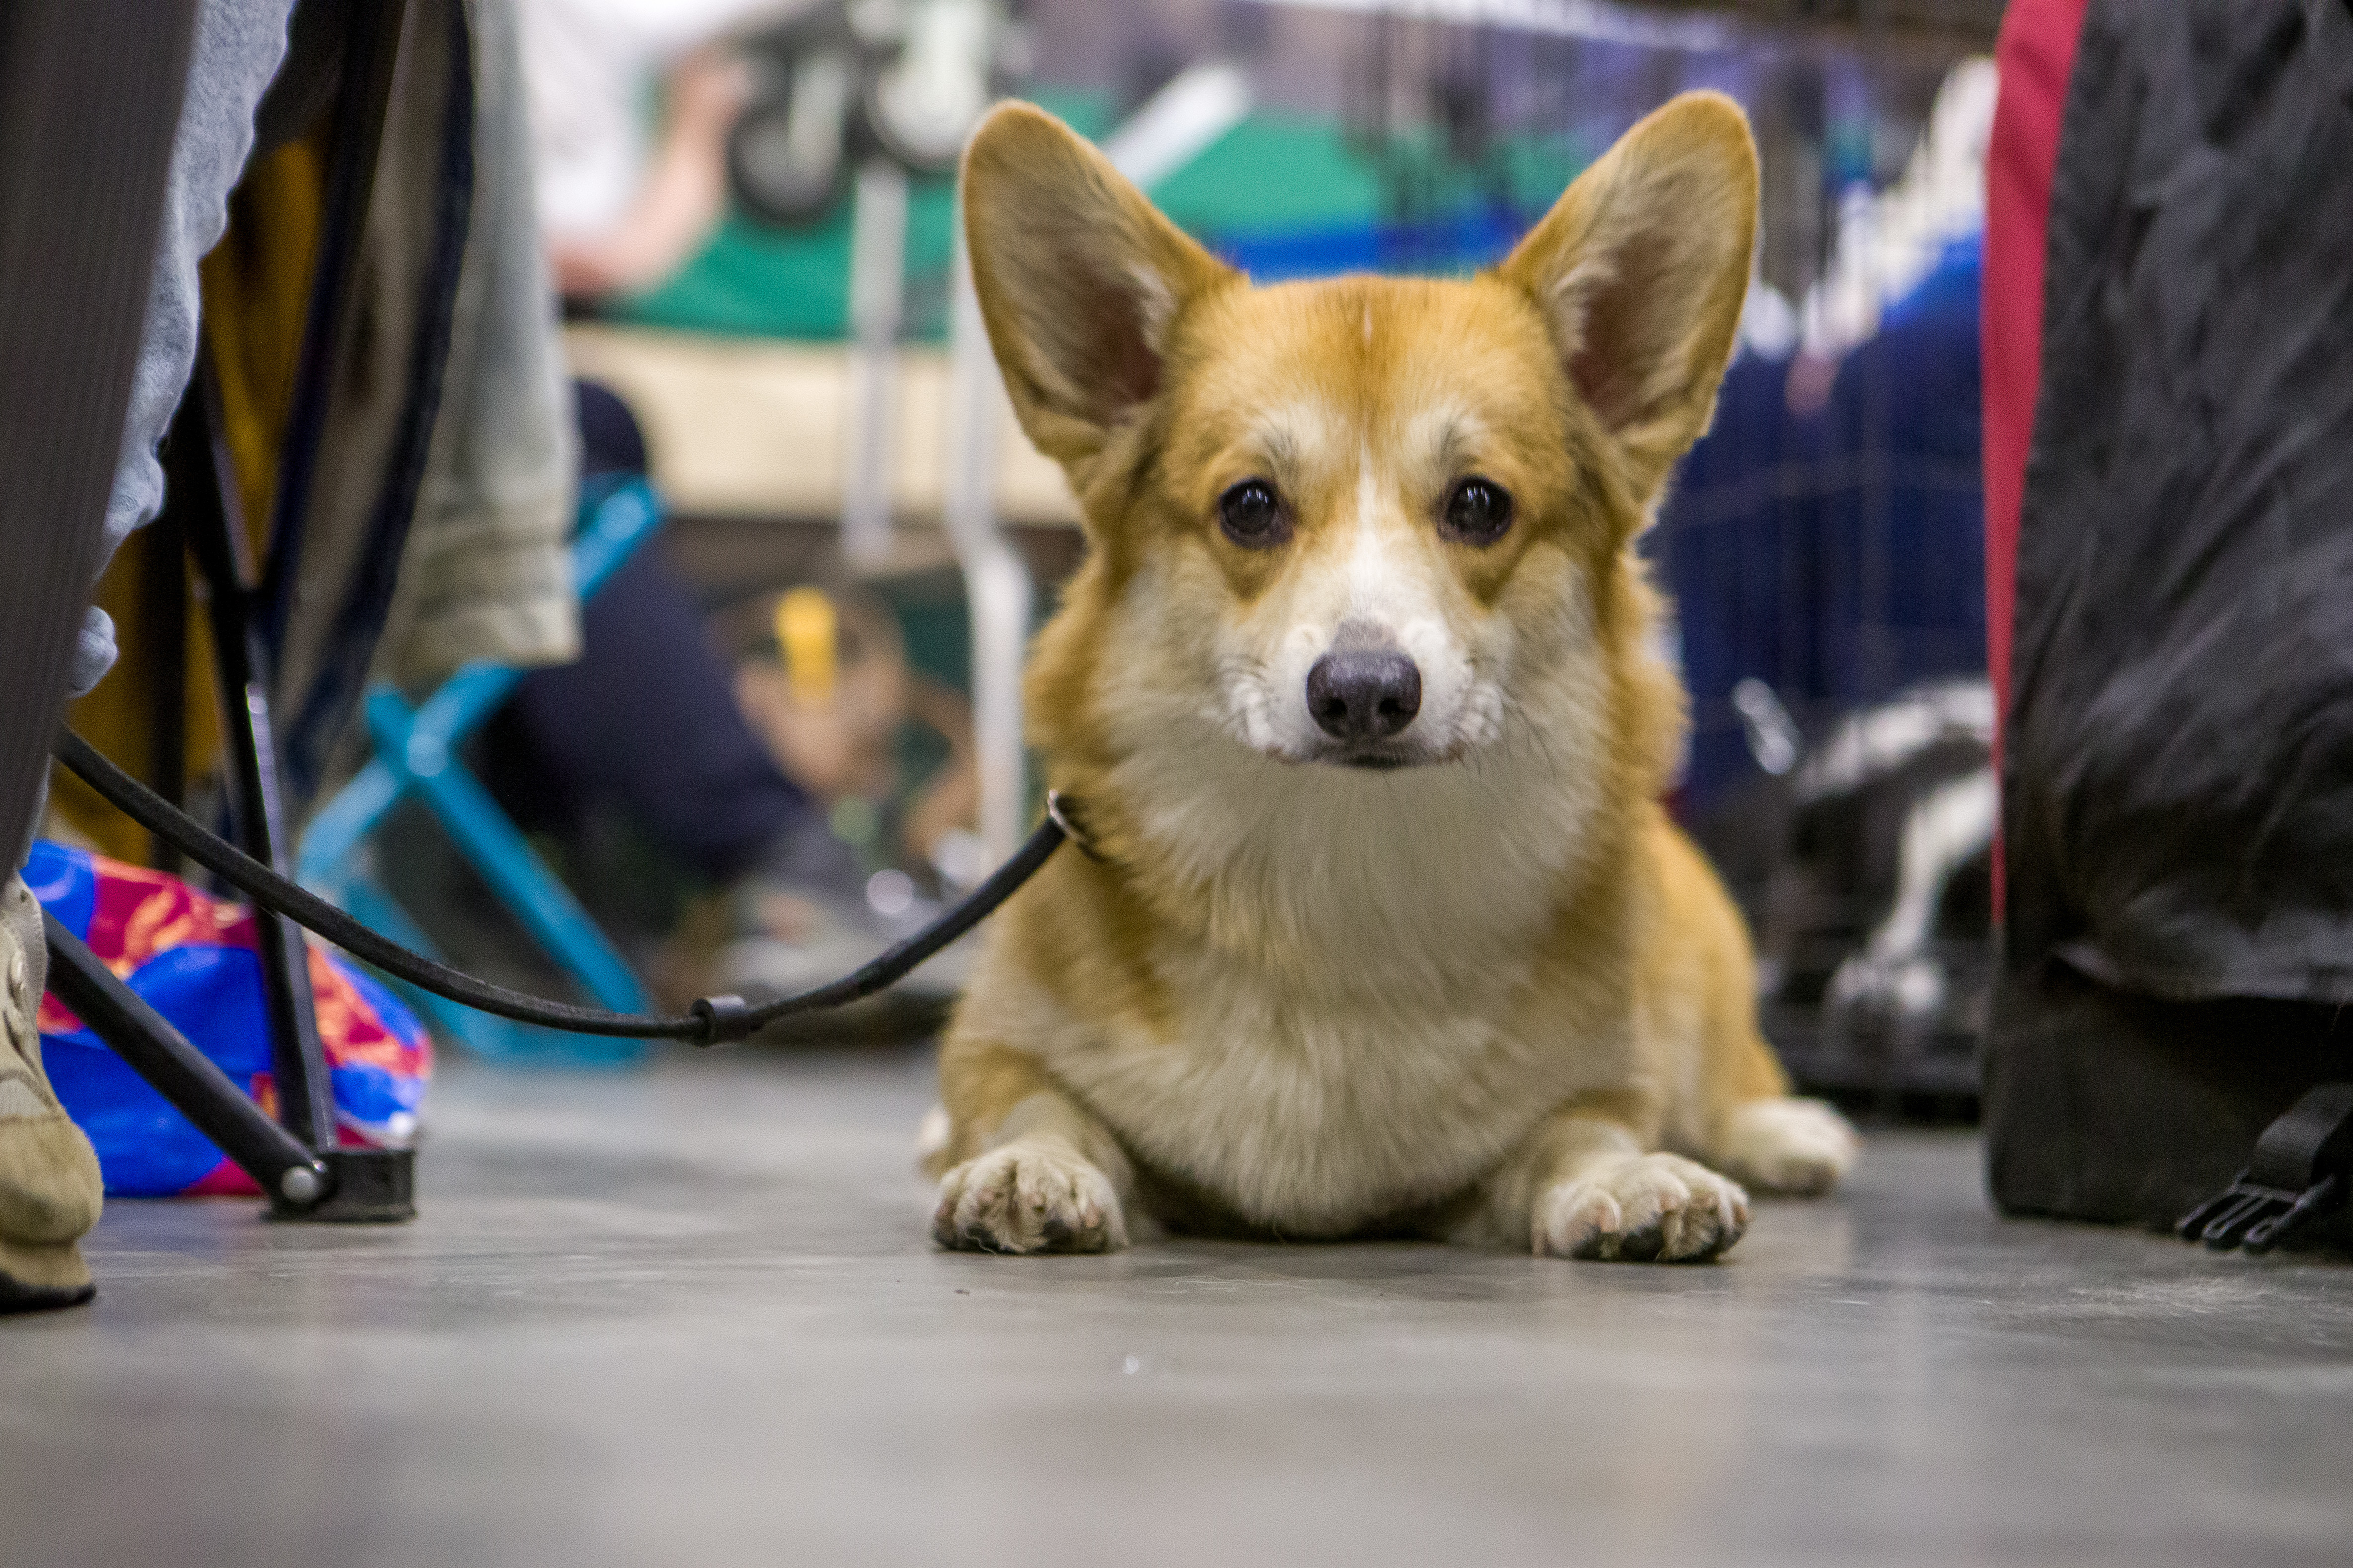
x: 1270, y: 175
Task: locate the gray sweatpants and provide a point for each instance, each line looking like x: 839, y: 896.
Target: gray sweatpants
x: 239, y: 45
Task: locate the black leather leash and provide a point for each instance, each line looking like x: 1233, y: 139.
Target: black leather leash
x: 710, y: 1021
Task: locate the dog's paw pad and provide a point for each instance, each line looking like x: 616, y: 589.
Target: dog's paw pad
x: 1798, y: 1146
x: 1029, y: 1197
x: 1649, y: 1208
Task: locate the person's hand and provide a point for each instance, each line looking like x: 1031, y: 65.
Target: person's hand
x: 707, y: 90
x: 685, y: 191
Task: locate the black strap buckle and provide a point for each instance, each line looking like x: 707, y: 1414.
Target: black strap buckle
x: 2301, y: 1172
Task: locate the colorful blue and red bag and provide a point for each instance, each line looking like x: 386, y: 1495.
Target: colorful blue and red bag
x: 191, y: 959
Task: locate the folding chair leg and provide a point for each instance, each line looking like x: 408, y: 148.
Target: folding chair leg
x: 206, y: 514
x: 491, y: 1038
x: 415, y: 749
x: 522, y: 881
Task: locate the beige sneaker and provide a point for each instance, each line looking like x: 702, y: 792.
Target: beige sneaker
x: 51, y: 1189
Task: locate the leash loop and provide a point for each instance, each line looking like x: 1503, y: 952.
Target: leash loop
x: 710, y: 1021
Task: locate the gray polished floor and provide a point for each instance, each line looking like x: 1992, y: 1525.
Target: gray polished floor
x: 690, y: 1318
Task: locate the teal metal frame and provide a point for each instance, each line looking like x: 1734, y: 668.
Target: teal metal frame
x: 416, y: 757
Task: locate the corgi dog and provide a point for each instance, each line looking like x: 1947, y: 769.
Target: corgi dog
x: 1379, y: 928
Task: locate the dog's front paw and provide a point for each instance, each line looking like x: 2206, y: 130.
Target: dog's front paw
x: 1800, y: 1146
x: 1031, y: 1195
x: 1644, y: 1208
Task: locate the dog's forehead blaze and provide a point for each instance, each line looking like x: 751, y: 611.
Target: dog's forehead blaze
x: 1370, y: 359
x: 1364, y: 399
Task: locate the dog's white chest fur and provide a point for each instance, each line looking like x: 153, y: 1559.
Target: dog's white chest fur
x: 1317, y: 1115
x: 1382, y: 1057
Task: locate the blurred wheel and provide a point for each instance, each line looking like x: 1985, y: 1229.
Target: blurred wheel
x: 786, y: 156
x: 923, y: 103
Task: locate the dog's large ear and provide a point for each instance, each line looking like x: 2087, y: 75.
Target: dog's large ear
x: 1078, y: 276
x: 1643, y: 269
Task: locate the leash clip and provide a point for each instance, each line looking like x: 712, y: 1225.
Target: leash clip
x: 1062, y: 811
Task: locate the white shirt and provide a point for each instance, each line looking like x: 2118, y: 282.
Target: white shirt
x: 589, y: 66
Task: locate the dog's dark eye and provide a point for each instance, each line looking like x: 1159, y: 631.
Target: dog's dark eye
x: 1252, y: 515
x: 1477, y: 511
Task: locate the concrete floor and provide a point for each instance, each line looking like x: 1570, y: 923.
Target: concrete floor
x: 692, y: 1317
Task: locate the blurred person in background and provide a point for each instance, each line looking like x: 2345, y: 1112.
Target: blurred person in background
x: 626, y: 198
x: 646, y: 721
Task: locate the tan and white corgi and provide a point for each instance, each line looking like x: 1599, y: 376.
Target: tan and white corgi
x: 1382, y: 929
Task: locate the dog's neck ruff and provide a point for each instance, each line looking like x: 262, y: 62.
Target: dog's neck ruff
x: 1401, y: 878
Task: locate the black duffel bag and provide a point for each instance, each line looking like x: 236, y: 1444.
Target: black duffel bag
x: 2177, y: 773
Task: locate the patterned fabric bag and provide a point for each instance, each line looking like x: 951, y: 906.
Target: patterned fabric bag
x: 191, y: 959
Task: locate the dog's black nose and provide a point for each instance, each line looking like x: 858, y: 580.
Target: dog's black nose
x: 1364, y: 693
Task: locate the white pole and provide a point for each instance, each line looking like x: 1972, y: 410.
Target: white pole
x: 997, y: 580
x: 1179, y: 122
x: 1172, y: 129
x: 878, y: 260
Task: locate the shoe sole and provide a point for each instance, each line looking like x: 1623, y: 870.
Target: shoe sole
x: 16, y: 1296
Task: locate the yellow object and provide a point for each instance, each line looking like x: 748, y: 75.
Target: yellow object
x: 808, y: 630
x: 257, y: 292
x: 117, y: 716
x: 256, y: 289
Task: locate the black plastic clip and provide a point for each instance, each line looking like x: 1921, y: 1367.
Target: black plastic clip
x: 2301, y: 1172
x: 725, y: 1019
